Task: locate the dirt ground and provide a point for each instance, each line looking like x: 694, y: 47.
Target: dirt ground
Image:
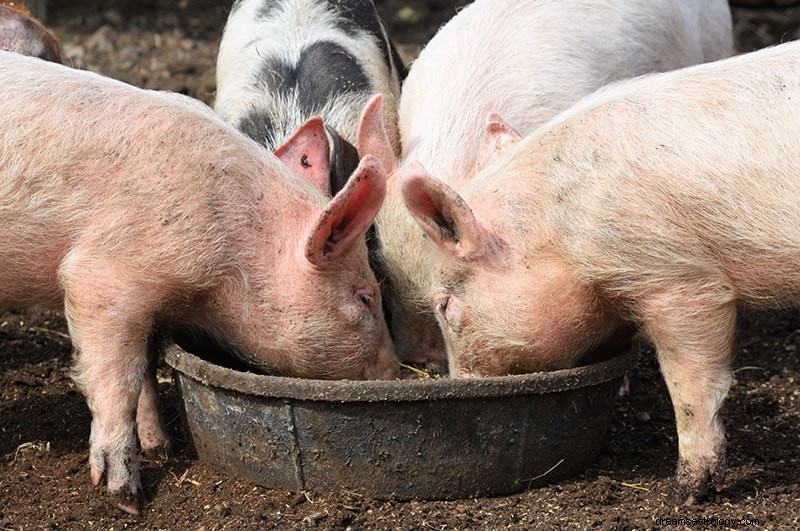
x: 44, y: 422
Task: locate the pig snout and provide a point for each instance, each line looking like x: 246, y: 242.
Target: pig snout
x: 385, y: 366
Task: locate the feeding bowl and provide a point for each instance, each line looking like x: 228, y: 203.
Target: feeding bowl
x: 434, y: 439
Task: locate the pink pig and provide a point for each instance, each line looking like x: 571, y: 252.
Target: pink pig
x: 526, y: 60
x: 142, y: 210
x: 667, y: 202
x: 21, y: 33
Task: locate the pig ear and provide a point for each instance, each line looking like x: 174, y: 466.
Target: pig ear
x: 349, y: 214
x: 372, y: 137
x: 343, y: 160
x: 443, y: 214
x: 307, y: 153
x: 497, y: 136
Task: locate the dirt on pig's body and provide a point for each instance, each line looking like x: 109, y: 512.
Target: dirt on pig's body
x: 44, y: 422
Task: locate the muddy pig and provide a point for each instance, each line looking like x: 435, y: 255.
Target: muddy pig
x: 21, y: 33
x: 667, y: 201
x: 140, y: 211
x: 282, y: 62
x: 526, y: 60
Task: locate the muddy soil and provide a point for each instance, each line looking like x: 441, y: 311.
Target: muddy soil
x: 44, y: 422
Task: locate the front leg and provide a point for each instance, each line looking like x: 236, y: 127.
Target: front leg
x: 692, y: 328
x: 153, y: 439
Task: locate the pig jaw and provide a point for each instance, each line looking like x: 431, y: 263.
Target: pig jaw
x: 545, y: 321
x: 298, y: 326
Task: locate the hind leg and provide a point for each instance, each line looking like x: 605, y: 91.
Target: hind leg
x: 153, y: 439
x: 110, y: 318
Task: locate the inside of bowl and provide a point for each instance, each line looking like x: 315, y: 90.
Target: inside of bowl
x: 207, y: 348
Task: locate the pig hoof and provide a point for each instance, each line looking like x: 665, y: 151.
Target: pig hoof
x: 691, y: 485
x: 126, y: 500
x: 718, y: 472
x: 680, y: 497
x: 158, y: 455
x: 96, y: 475
x: 688, y: 496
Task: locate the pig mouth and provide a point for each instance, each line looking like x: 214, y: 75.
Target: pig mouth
x: 595, y: 352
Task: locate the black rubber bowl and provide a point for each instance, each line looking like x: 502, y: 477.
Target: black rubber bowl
x: 434, y: 439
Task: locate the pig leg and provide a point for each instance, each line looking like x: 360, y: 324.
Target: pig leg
x: 692, y: 330
x: 152, y: 435
x: 109, y: 318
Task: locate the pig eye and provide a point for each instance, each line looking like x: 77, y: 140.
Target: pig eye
x: 441, y: 308
x: 447, y: 310
x: 366, y: 300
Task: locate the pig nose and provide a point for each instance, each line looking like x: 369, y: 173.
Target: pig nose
x: 391, y: 372
x: 382, y: 373
x: 462, y: 373
x: 385, y: 368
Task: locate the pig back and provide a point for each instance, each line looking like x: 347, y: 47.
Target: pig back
x: 528, y: 60
x: 85, y: 160
x: 687, y: 171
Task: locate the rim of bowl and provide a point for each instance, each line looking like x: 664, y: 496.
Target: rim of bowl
x: 249, y: 383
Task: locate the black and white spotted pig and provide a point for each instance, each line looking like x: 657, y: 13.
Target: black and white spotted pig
x: 282, y: 62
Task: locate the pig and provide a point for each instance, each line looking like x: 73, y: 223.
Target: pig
x: 21, y: 33
x: 666, y: 202
x: 142, y: 211
x: 525, y: 60
x: 282, y: 62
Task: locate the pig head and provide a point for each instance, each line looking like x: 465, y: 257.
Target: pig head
x: 324, y: 305
x: 506, y: 301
